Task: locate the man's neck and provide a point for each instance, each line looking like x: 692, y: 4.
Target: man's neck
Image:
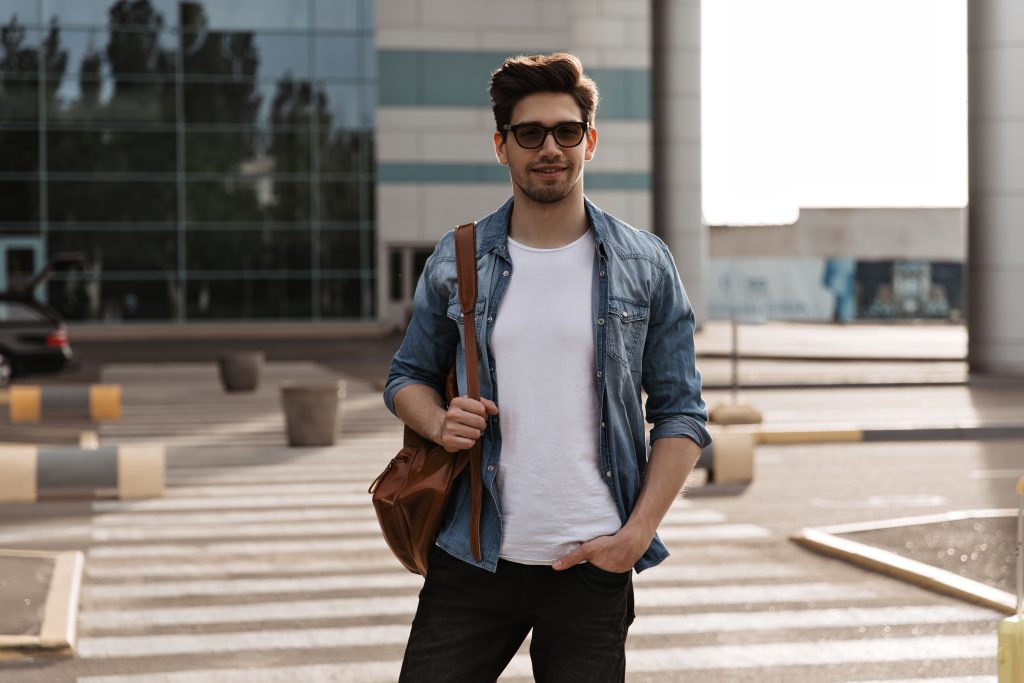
x: 548, y: 226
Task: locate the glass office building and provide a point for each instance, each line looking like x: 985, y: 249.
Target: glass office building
x: 211, y: 160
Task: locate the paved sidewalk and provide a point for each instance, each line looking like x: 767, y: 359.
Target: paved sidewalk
x: 860, y: 341
x: 263, y: 564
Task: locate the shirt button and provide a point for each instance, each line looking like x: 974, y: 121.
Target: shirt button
x: 490, y: 319
x: 608, y: 474
x: 490, y: 468
x: 600, y: 321
x: 599, y: 373
x: 601, y: 273
x: 505, y: 274
x: 602, y: 425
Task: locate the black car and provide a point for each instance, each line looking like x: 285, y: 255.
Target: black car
x: 33, y: 338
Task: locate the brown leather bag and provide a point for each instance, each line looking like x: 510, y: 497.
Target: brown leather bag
x: 411, y: 494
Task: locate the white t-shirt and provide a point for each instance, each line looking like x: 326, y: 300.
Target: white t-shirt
x: 553, y: 495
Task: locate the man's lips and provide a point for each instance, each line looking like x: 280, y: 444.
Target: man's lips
x: 549, y: 170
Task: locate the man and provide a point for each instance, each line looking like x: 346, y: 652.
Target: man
x: 576, y: 313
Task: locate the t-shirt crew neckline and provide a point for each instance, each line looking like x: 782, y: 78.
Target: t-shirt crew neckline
x: 520, y: 245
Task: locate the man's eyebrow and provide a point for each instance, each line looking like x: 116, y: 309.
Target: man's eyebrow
x: 541, y: 123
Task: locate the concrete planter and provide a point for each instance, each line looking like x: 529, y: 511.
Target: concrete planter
x: 240, y: 371
x: 311, y: 412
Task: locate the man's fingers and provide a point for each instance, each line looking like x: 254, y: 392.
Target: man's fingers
x: 573, y: 558
x: 471, y: 420
x: 484, y: 406
x: 469, y: 405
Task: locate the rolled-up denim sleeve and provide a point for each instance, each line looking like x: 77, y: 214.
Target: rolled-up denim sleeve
x: 670, y: 376
x: 428, y: 350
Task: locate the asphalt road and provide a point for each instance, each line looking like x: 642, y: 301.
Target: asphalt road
x: 262, y: 563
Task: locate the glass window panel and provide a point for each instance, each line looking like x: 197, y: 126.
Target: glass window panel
x: 245, y: 199
x: 249, y: 298
x: 111, y: 150
x: 108, y: 251
x: 341, y: 250
x: 338, y: 14
x: 111, y: 201
x: 344, y: 151
x: 116, y: 53
x: 337, y: 56
x: 228, y: 102
x: 240, y: 14
x: 237, y: 53
x: 81, y: 296
x: 340, y: 201
x: 19, y: 201
x: 19, y: 72
x: 115, y: 101
x: 345, y: 106
x: 25, y: 11
x: 210, y: 249
x: 252, y: 151
x: 369, y: 49
x: 19, y: 150
x: 228, y: 152
x: 346, y: 298
x: 19, y: 99
x: 153, y: 13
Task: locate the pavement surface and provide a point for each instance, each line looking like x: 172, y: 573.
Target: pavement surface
x: 984, y: 550
x: 264, y: 563
x: 797, y: 354
x: 23, y: 584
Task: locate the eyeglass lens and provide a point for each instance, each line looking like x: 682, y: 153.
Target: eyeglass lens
x: 566, y: 135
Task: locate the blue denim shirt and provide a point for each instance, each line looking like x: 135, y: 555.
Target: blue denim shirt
x: 643, y: 336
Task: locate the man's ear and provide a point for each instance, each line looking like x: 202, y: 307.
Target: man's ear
x: 500, y: 150
x: 591, y: 144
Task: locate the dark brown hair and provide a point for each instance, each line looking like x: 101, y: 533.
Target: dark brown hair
x: 524, y: 75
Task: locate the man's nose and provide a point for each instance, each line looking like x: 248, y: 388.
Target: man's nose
x: 550, y: 146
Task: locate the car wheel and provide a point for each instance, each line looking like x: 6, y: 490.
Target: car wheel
x: 6, y: 370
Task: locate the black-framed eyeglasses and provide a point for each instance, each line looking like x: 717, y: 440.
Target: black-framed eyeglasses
x: 533, y: 135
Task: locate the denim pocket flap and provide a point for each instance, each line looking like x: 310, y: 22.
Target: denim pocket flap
x: 627, y: 311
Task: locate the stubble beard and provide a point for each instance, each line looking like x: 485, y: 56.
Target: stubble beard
x: 545, y: 194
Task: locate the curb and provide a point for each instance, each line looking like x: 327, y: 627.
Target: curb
x: 825, y: 540
x: 58, y: 632
x: 770, y: 356
x: 849, y: 434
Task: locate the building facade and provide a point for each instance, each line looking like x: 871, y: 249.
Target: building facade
x: 434, y: 123
x: 296, y: 160
x: 211, y: 160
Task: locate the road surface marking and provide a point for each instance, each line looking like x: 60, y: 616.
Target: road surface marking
x: 406, y: 605
x: 713, y: 532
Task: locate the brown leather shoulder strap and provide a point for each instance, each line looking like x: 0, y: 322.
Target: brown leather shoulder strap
x: 465, y: 262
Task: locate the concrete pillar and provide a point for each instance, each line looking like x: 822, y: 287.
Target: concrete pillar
x: 995, y: 264
x: 675, y: 42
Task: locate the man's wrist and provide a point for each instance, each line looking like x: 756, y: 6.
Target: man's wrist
x: 637, y: 536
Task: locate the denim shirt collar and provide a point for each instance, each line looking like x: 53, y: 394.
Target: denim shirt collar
x: 492, y: 231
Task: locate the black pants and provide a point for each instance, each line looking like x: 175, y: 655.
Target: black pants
x: 471, y: 622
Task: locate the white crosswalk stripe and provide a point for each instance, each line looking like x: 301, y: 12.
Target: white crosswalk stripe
x: 257, y: 551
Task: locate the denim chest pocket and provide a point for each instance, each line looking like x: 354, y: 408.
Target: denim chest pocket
x: 455, y: 313
x: 626, y: 329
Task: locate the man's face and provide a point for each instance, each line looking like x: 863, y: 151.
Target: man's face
x: 551, y: 172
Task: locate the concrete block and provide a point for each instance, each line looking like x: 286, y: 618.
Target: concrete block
x: 28, y: 473
x: 470, y: 146
x: 33, y: 403
x: 399, y: 207
x: 17, y: 474
x: 598, y: 32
